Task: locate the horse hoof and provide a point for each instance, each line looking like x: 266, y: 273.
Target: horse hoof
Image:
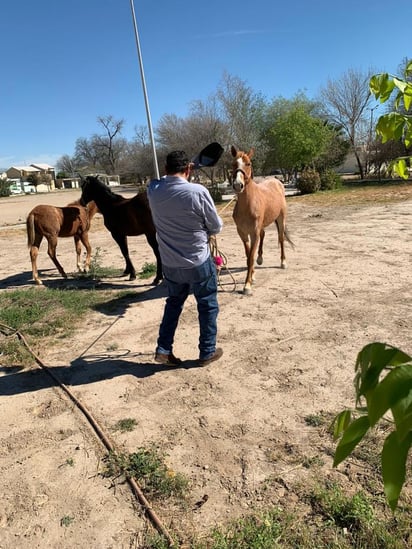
x: 247, y: 291
x: 38, y: 282
x: 157, y: 281
x: 132, y: 277
x: 259, y: 260
x: 283, y: 266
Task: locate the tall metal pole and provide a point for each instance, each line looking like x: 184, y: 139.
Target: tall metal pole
x: 149, y: 121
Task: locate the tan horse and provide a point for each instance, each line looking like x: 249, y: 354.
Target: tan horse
x: 51, y: 222
x: 258, y: 205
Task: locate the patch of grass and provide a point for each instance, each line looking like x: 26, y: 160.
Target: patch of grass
x: 314, y: 420
x: 16, y: 353
x: 66, y: 521
x: 353, y: 518
x: 112, y: 347
x: 312, y: 461
x: 147, y: 466
x: 97, y: 271
x: 43, y: 314
x: 125, y: 425
x: 148, y: 270
x: 358, y: 193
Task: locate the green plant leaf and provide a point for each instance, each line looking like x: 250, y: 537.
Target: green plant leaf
x: 341, y: 423
x: 401, y: 168
x: 351, y: 437
x: 381, y: 85
x: 394, y: 387
x: 394, y: 456
x: 371, y: 361
x: 402, y: 414
x: 400, y: 84
x: 407, y: 96
x: 390, y: 126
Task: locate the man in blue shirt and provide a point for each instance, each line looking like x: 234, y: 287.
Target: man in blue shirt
x: 185, y: 216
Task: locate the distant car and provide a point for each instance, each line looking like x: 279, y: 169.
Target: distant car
x: 29, y: 188
x: 15, y: 189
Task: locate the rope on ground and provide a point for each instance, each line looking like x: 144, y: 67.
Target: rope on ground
x: 220, y: 260
x: 136, y: 489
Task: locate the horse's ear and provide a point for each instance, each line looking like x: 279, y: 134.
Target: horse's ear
x: 233, y: 151
x: 251, y: 153
x: 82, y: 180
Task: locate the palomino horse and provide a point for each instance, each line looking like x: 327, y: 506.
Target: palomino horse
x: 258, y: 205
x: 123, y: 217
x: 51, y: 222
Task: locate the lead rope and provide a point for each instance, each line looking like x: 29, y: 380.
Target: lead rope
x: 220, y: 260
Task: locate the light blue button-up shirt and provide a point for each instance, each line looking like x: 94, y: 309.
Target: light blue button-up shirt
x: 185, y: 216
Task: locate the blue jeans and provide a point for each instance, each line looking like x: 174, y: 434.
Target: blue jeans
x: 203, y: 281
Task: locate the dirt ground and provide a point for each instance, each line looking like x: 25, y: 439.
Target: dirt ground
x: 235, y: 428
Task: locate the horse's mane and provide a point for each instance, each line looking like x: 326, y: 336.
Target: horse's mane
x: 105, y: 189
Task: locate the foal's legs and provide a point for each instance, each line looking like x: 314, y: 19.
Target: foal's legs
x: 51, y: 250
x: 280, y: 225
x: 259, y: 259
x: 34, y: 252
x: 84, y: 239
x: 254, y: 239
x: 78, y: 248
x: 152, y: 241
x: 121, y: 240
x: 250, y: 245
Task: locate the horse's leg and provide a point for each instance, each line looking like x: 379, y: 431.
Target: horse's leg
x: 34, y: 252
x: 251, y: 264
x: 280, y: 225
x: 51, y: 250
x: 152, y: 240
x: 85, y: 240
x: 121, y: 240
x: 259, y: 259
x: 78, y: 248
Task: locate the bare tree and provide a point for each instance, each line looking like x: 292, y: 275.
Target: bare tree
x: 344, y: 103
x: 110, y: 144
x: 242, y: 111
x: 136, y: 164
x: 67, y: 165
x: 86, y: 153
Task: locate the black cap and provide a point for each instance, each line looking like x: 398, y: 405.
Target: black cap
x: 208, y: 156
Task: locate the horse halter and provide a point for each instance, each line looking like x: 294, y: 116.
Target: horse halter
x: 239, y: 183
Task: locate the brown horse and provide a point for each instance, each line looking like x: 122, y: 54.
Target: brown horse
x: 123, y: 217
x: 258, y: 205
x: 51, y: 222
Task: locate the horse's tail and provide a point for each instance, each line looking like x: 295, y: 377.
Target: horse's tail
x: 30, y: 230
x: 287, y: 237
x: 285, y: 234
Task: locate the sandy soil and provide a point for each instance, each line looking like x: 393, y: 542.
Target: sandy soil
x: 236, y: 428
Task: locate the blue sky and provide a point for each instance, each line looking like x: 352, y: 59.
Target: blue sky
x: 65, y: 62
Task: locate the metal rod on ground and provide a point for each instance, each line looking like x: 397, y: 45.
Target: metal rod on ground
x: 146, y: 99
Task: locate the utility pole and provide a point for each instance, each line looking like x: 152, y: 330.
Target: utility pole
x: 146, y: 99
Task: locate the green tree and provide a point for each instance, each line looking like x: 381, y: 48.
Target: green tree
x: 295, y: 137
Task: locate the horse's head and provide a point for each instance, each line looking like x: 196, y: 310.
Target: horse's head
x: 84, y: 185
x: 242, y: 169
x: 88, y: 186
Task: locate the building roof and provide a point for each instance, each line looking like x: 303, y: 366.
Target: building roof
x: 25, y: 168
x: 43, y: 166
